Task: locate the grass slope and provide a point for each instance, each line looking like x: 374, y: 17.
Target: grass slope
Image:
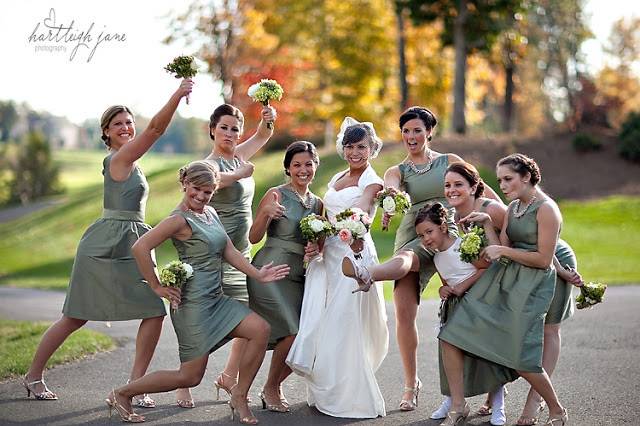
x: 19, y: 339
x: 37, y: 250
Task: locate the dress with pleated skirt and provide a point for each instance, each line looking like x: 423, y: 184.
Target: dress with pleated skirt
x: 501, y: 318
x: 105, y: 283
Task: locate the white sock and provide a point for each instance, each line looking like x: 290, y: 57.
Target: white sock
x: 497, y: 407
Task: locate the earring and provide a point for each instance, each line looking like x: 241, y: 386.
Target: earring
x: 184, y: 189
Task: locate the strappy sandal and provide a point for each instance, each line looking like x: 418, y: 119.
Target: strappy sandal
x: 247, y: 420
x: 219, y: 384
x: 143, y: 402
x: 558, y: 421
x: 457, y: 418
x: 125, y: 415
x: 279, y: 407
x: 45, y: 395
x: 410, y: 405
x: 530, y: 421
x: 352, y: 269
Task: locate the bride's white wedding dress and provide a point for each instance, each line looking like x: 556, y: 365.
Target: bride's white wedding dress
x: 343, y: 337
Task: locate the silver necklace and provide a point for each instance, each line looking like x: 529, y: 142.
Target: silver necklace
x: 418, y: 171
x: 306, y: 201
x: 519, y: 214
x: 205, y: 217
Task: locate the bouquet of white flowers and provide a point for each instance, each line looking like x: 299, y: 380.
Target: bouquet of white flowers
x: 352, y: 224
x: 314, y: 227
x: 264, y: 92
x: 175, y: 274
x: 473, y: 241
x: 183, y: 67
x: 393, y: 202
x: 590, y: 294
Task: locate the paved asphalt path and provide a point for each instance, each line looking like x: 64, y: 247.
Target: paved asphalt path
x: 598, y: 377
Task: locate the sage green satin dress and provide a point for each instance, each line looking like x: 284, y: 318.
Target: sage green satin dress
x: 422, y: 188
x: 501, y: 318
x: 280, y: 302
x: 233, y: 205
x: 562, y: 306
x: 105, y: 283
x: 480, y: 375
x: 205, y: 316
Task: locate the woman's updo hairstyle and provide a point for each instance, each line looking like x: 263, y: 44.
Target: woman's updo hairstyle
x: 224, y: 109
x: 296, y: 148
x: 199, y: 173
x: 521, y: 164
x: 433, y: 212
x: 106, y: 118
x: 470, y: 174
x: 424, y: 114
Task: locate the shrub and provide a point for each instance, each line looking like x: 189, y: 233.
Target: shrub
x: 629, y: 146
x: 585, y: 143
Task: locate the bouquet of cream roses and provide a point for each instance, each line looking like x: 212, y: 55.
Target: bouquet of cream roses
x: 393, y: 202
x: 183, y: 67
x: 590, y: 294
x: 352, y: 224
x: 473, y: 241
x: 264, y: 92
x: 175, y: 274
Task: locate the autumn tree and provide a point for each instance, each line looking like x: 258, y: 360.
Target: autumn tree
x: 469, y: 26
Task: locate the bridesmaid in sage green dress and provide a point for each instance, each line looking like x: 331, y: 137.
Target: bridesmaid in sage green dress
x: 421, y: 175
x: 562, y: 308
x: 205, y: 318
x: 515, y: 291
x: 233, y: 202
x: 105, y: 283
x: 279, y: 215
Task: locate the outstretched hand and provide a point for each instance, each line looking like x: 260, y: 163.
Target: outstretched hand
x: 269, y: 273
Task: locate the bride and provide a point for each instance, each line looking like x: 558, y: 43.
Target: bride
x: 343, y: 337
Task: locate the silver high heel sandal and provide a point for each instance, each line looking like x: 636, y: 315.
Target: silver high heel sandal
x: 352, y: 269
x: 45, y: 395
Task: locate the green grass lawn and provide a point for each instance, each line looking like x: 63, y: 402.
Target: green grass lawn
x: 37, y: 250
x: 19, y: 339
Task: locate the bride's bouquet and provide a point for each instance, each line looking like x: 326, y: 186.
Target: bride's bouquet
x: 393, y: 202
x: 590, y: 294
x: 175, y: 274
x: 351, y: 225
x: 183, y: 67
x: 473, y: 241
x: 265, y: 91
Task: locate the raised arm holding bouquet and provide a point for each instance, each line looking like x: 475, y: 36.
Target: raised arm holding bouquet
x: 264, y: 92
x: 183, y: 67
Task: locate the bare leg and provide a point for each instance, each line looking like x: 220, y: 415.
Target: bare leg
x: 51, y: 340
x: 453, y: 362
x: 255, y: 331
x: 550, y: 356
x: 395, y: 268
x: 230, y: 372
x: 146, y: 342
x: 406, y: 306
x: 542, y: 385
x: 189, y: 375
x: 278, y: 371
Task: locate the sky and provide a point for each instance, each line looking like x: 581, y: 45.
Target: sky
x: 113, y: 54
